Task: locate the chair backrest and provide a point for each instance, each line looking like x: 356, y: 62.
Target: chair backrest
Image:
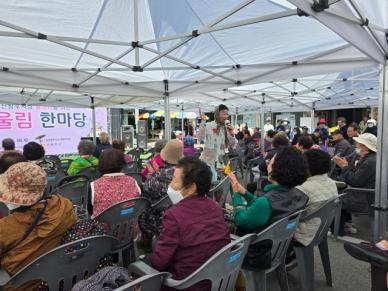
x: 132, y: 167
x: 221, y: 269
x: 358, y: 200
x: 221, y: 191
x: 254, y: 162
x: 76, y: 191
x: 151, y: 282
x: 233, y: 162
x: 55, y: 159
x: 67, y: 264
x: 52, y: 181
x: 3, y: 210
x: 136, y: 153
x: 251, y: 164
x: 137, y: 176
x: 162, y: 204
x: 121, y: 219
x: 326, y: 214
x: 91, y: 172
x: 280, y: 233
x: 68, y: 179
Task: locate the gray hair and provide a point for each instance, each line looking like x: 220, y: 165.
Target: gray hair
x: 85, y: 147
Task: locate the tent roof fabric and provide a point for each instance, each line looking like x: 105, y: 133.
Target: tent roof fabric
x: 131, y: 53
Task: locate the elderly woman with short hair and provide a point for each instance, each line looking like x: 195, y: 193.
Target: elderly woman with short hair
x: 85, y: 159
x: 194, y: 228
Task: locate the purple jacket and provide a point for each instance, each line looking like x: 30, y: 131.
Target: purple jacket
x: 193, y: 231
x: 189, y: 151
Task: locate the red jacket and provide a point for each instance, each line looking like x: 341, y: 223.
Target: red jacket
x: 193, y: 231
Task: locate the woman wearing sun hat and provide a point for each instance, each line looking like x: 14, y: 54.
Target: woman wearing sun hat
x: 34, y: 226
x: 155, y: 188
x: 363, y: 175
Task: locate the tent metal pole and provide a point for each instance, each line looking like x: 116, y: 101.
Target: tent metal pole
x: 190, y: 65
x: 381, y: 203
x: 136, y: 119
x: 183, y: 125
x: 211, y: 24
x: 93, y: 118
x: 136, y: 30
x: 287, y: 13
x: 99, y: 15
x: 71, y: 46
x: 262, y: 122
x: 310, y: 58
x: 167, y: 120
x: 352, y: 33
x: 312, y: 115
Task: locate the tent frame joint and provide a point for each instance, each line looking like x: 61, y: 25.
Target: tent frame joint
x: 137, y: 69
x: 135, y: 44
x: 365, y: 22
x: 320, y: 6
x: 195, y: 33
x: 301, y: 13
x: 41, y: 36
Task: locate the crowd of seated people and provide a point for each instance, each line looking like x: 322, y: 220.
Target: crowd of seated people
x: 297, y: 180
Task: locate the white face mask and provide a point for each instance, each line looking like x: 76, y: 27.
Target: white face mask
x: 370, y: 125
x: 11, y: 206
x: 174, y: 195
x: 358, y: 151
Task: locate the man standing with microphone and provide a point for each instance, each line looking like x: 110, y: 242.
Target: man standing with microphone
x: 215, y: 136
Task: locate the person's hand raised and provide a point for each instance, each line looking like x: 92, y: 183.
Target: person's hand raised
x: 341, y: 162
x: 236, y: 186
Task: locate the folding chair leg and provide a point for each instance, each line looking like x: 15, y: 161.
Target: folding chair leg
x: 324, y: 252
x: 282, y: 277
x: 128, y: 256
x: 337, y: 221
x: 305, y: 260
x: 255, y: 281
x: 378, y: 279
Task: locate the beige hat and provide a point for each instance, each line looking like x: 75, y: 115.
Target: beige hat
x: 367, y: 139
x: 172, y: 152
x: 23, y: 184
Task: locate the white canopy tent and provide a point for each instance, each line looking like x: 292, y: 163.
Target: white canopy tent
x: 125, y: 50
x: 129, y: 52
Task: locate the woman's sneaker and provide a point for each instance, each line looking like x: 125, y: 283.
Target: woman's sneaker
x: 349, y: 228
